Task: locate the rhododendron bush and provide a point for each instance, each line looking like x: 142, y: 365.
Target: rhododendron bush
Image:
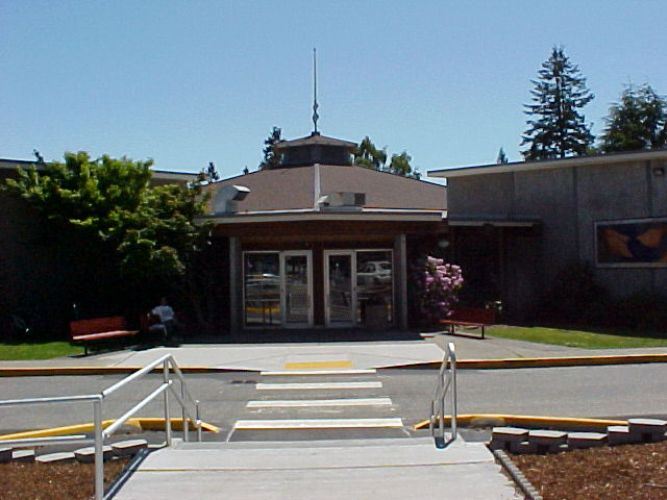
x: 438, y: 285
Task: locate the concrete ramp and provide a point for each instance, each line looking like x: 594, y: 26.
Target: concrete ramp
x: 353, y: 469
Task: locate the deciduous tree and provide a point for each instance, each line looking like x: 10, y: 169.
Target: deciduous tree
x: 109, y: 211
x: 367, y: 155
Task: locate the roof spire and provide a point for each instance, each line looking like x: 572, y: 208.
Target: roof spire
x: 315, y: 105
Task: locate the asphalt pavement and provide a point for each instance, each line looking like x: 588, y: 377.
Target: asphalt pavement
x: 589, y: 391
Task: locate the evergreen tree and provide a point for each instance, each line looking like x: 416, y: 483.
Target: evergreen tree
x: 556, y: 128
x: 638, y: 121
x: 271, y: 159
x: 502, y: 157
x: 208, y: 174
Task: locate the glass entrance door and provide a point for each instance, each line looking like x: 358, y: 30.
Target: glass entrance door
x: 297, y: 308
x: 339, y: 288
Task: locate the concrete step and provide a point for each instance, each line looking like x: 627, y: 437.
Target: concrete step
x: 23, y: 455
x: 129, y: 447
x: 390, y: 469
x: 60, y: 457
x: 87, y: 454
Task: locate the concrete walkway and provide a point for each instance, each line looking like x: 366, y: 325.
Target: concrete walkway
x: 336, y: 355
x: 263, y: 357
x: 499, y: 348
x: 351, y: 469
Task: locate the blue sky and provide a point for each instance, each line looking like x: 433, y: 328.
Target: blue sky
x: 186, y: 83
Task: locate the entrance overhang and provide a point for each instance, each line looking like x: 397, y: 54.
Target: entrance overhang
x: 493, y: 223
x: 311, y: 215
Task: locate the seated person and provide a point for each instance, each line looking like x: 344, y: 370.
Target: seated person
x: 167, y: 318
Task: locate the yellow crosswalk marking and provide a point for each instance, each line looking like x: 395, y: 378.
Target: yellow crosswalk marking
x: 318, y: 365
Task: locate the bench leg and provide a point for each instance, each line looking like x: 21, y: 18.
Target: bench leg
x: 483, y: 329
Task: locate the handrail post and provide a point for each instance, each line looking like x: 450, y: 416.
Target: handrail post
x: 454, y: 402
x: 198, y: 420
x: 186, y: 424
x: 99, y: 457
x: 167, y: 416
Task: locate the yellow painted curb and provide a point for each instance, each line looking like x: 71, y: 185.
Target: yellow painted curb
x: 157, y: 424
x: 64, y: 431
x: 499, y: 420
x: 141, y: 424
x: 620, y: 359
x: 506, y: 363
x: 463, y: 364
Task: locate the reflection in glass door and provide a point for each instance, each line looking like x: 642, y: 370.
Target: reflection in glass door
x: 339, y: 288
x: 296, y: 290
x: 261, y: 278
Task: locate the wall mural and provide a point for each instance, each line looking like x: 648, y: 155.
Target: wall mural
x: 632, y: 243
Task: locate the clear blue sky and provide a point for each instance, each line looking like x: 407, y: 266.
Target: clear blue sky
x: 186, y: 83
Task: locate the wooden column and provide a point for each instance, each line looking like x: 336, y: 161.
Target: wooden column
x: 235, y: 281
x: 401, y: 282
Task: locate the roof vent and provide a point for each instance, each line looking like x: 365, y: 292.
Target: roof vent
x: 343, y: 201
x: 227, y: 199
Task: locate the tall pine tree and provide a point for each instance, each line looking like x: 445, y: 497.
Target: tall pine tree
x: 638, y: 121
x: 502, y: 157
x: 271, y: 159
x: 556, y: 128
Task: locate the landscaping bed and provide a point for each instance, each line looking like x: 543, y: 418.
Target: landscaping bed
x: 628, y: 472
x: 72, y: 481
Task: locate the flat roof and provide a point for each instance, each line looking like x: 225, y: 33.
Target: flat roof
x: 535, y: 165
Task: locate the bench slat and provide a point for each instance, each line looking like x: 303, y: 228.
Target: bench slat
x: 104, y: 335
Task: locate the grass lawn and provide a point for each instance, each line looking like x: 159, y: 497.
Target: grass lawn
x: 577, y: 338
x: 37, y: 350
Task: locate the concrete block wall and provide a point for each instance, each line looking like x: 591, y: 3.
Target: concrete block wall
x: 567, y: 202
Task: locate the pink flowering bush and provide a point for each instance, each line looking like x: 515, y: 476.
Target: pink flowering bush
x: 438, y: 285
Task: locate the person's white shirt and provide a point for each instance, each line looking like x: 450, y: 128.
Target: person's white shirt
x: 165, y: 313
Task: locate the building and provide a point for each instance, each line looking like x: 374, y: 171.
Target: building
x: 320, y: 242
x: 514, y: 227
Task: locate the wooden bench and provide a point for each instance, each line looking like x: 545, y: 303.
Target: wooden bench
x: 87, y: 331
x: 469, y: 317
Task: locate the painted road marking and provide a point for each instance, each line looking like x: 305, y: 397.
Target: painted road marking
x: 317, y: 385
x: 323, y: 423
x: 282, y: 373
x: 306, y: 403
x: 315, y: 365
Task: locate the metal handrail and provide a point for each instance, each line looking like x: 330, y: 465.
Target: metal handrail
x: 170, y: 371
x: 446, y: 384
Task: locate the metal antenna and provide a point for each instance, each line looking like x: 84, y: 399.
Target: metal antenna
x: 315, y: 105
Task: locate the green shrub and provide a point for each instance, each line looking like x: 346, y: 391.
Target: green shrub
x: 576, y: 298
x: 644, y: 311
